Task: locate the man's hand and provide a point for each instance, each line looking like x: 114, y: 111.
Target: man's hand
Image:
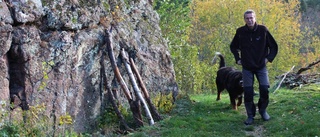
x: 239, y: 62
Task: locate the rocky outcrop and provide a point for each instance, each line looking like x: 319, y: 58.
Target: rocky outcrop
x: 51, y: 51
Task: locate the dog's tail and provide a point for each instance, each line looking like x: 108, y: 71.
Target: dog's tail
x: 222, y: 62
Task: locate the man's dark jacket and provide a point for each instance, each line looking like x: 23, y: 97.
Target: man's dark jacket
x: 254, y: 45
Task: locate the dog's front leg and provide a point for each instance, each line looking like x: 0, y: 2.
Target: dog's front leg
x: 218, y: 95
x: 233, y: 103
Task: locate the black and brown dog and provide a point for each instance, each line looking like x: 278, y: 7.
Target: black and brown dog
x: 230, y: 79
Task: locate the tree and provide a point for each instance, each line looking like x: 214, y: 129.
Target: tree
x: 215, y: 22
x: 175, y: 23
x: 199, y: 28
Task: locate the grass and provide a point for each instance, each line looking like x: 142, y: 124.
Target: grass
x: 293, y: 113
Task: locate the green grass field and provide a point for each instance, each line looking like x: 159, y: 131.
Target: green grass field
x: 294, y: 113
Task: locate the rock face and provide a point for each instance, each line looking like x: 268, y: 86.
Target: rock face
x: 51, y: 51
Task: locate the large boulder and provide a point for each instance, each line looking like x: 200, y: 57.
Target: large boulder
x: 51, y: 52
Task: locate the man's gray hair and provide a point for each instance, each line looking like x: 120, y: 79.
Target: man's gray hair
x: 249, y: 11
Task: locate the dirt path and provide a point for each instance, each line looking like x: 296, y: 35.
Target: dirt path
x: 258, y: 128
x: 257, y: 131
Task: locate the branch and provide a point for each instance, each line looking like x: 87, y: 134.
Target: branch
x: 285, y: 75
x: 308, y: 67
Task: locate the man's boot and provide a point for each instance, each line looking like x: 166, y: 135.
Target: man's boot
x: 263, y: 102
x: 264, y: 115
x: 262, y: 105
x: 251, y: 112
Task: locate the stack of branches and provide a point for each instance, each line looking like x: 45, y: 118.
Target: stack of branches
x: 136, y: 98
x: 297, y: 79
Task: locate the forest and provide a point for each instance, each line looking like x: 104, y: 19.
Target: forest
x: 197, y: 29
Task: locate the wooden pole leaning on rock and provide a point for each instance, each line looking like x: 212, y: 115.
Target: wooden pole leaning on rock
x: 115, y: 68
x: 105, y: 86
x: 153, y: 109
x: 134, y: 106
x: 135, y: 86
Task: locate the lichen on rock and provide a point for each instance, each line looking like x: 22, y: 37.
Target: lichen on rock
x: 51, y: 53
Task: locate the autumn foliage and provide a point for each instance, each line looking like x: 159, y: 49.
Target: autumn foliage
x: 212, y: 25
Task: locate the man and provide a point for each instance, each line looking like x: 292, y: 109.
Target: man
x: 257, y: 47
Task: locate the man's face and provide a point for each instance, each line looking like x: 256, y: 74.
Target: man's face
x: 250, y: 19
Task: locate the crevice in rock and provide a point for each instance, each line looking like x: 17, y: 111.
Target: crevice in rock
x: 17, y: 77
x: 53, y: 114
